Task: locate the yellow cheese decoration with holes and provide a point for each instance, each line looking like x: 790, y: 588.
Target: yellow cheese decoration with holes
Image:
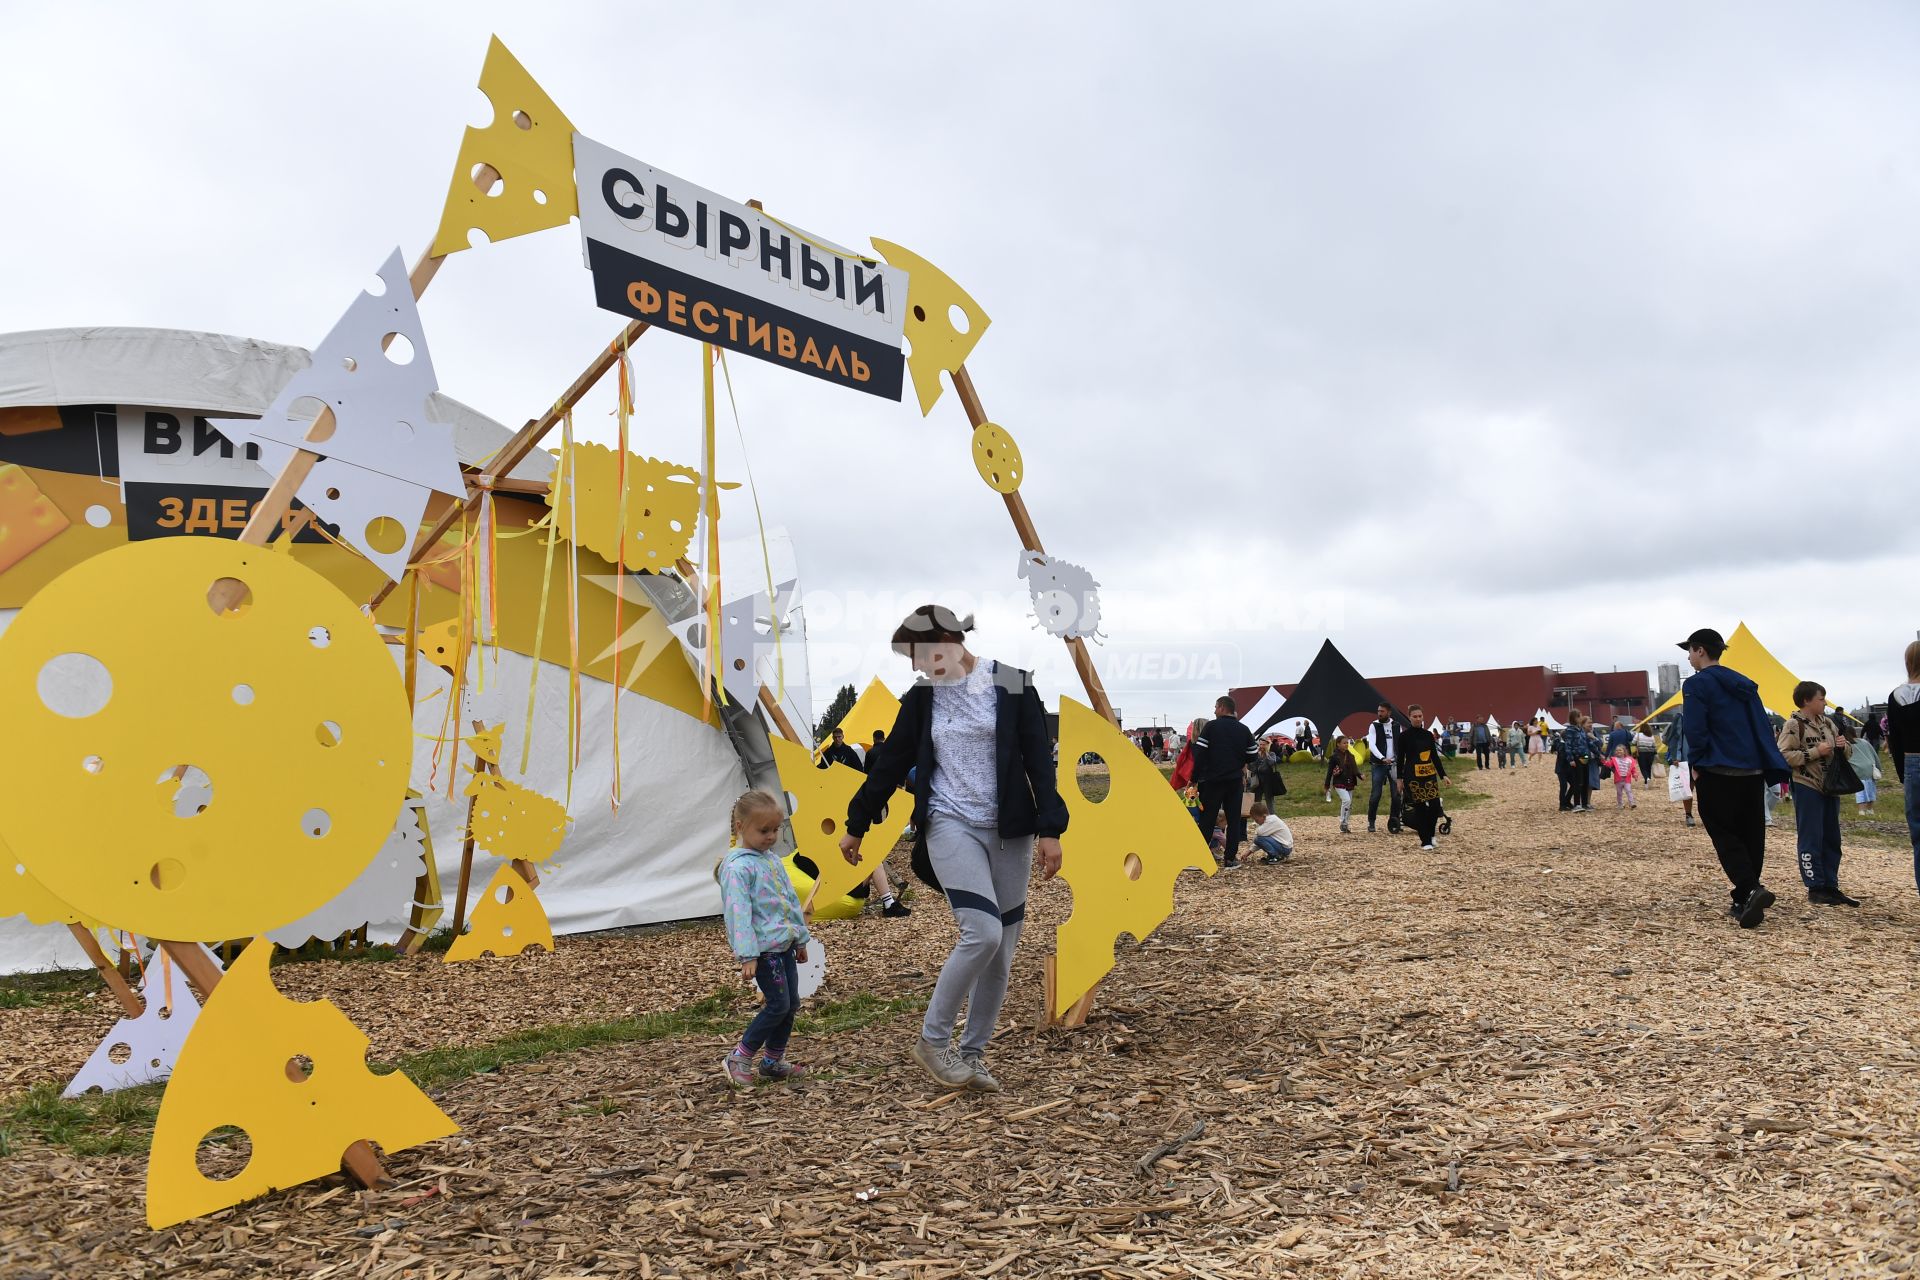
x: 28, y: 520
x: 820, y: 799
x: 875, y: 708
x: 997, y: 458
x: 663, y: 502
x: 1121, y: 854
x: 22, y: 895
x: 515, y: 822
x: 529, y: 144
x: 937, y: 344
x: 246, y: 1064
x: 285, y: 714
x: 438, y: 644
x: 507, y: 920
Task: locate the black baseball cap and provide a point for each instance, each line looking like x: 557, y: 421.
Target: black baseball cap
x: 1705, y: 638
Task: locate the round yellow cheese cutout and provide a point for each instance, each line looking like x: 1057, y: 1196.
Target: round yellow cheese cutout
x: 192, y: 775
x: 998, y: 458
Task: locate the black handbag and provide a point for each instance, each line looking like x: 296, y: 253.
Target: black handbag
x: 1841, y: 778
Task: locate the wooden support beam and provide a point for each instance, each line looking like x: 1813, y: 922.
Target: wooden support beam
x: 779, y: 718
x: 115, y: 980
x: 466, y: 872
x: 200, y: 969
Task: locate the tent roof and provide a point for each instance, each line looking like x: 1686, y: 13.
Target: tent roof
x: 1330, y: 691
x: 209, y: 373
x: 1750, y: 658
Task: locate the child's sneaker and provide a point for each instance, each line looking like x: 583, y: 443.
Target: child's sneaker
x: 781, y: 1069
x: 738, y: 1069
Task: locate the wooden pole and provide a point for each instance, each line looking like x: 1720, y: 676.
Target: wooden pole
x: 1082, y: 663
x: 466, y: 872
x: 515, y: 449
x: 115, y: 980
x: 1030, y: 541
x: 779, y: 717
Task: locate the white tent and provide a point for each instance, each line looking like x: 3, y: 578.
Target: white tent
x: 1545, y: 715
x: 652, y: 861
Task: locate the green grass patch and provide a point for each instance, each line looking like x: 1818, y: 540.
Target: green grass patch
x: 108, y: 1124
x: 66, y: 988
x: 122, y: 1123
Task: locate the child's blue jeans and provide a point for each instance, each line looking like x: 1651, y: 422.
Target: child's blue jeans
x: 1271, y: 846
x: 778, y: 977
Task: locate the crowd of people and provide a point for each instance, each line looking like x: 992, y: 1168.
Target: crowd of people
x: 1730, y: 760
x: 990, y: 814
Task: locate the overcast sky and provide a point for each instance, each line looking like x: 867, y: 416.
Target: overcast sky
x: 1471, y: 335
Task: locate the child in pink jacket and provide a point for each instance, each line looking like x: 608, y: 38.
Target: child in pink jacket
x: 1626, y: 771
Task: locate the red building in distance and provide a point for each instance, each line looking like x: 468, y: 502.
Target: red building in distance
x: 1510, y: 693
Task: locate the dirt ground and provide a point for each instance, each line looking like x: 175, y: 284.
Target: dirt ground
x: 1543, y: 1050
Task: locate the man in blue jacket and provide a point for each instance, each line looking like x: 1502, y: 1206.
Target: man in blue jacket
x: 1733, y: 756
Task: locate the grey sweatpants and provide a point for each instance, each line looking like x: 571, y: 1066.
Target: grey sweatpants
x: 985, y: 878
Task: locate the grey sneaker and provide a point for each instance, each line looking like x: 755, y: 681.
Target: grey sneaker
x: 738, y: 1070
x: 983, y: 1080
x: 940, y: 1062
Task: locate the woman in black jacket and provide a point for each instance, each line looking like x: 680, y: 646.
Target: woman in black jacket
x: 986, y: 810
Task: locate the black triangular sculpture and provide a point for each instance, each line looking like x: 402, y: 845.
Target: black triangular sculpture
x: 1328, y: 693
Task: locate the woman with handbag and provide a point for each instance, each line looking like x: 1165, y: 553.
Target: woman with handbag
x: 1816, y: 751
x: 1268, y: 784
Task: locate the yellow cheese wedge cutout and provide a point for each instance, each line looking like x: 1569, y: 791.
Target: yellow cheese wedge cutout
x: 875, y: 708
x: 512, y: 821
x: 937, y: 343
x: 820, y: 799
x: 28, y: 520
x: 507, y: 920
x: 439, y: 643
x: 528, y: 145
x: 1120, y: 854
x: 293, y: 1078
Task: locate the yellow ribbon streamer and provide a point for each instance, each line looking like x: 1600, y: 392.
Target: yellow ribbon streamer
x: 624, y: 410
x: 539, y: 637
x: 573, y: 608
x: 710, y: 499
